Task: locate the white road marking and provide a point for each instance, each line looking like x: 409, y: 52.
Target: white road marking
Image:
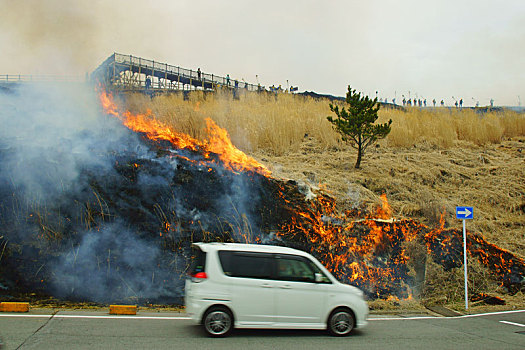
x: 513, y: 323
x: 490, y: 313
x: 138, y: 317
x: 102, y: 316
x: 405, y: 318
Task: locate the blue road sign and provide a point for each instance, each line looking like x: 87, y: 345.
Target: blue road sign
x: 464, y: 213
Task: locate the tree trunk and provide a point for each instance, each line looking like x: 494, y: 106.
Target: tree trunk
x: 359, y: 151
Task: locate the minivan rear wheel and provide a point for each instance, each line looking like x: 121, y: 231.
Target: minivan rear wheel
x: 341, y: 322
x: 217, y: 322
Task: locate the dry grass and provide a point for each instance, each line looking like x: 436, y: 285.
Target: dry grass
x: 443, y: 127
x: 278, y: 124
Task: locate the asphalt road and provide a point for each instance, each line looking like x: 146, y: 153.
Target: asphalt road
x: 41, y: 329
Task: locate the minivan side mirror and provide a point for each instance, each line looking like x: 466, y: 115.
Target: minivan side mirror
x: 318, y: 278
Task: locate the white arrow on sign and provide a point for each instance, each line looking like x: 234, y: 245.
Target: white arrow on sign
x: 465, y: 212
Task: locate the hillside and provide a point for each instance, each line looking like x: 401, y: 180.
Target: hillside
x: 432, y: 161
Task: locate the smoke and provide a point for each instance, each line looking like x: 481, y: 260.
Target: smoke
x: 126, y: 268
x: 50, y: 133
x: 54, y: 143
x: 92, y: 211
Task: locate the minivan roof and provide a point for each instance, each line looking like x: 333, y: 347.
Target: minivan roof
x: 207, y: 247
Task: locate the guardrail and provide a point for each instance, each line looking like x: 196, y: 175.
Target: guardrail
x: 128, y: 71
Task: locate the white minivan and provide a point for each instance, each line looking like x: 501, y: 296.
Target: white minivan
x: 263, y: 286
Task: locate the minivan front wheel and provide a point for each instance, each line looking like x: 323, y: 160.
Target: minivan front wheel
x: 341, y: 322
x: 218, y: 322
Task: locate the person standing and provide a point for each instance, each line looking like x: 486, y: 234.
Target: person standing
x: 434, y: 102
x: 228, y: 79
x: 199, y: 73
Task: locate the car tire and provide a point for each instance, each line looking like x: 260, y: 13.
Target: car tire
x: 217, y: 322
x: 341, y: 322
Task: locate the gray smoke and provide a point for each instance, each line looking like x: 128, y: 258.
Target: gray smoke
x: 93, y: 212
x: 51, y: 137
x: 50, y: 133
x: 114, y: 264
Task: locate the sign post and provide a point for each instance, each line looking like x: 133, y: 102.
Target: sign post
x: 465, y: 213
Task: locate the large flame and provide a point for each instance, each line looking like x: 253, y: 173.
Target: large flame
x: 349, y: 247
x: 217, y: 141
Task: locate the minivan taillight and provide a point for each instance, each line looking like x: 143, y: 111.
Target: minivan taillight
x: 198, y: 277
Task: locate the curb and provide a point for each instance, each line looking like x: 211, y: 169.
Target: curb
x: 14, y: 307
x: 443, y: 311
x: 123, y: 309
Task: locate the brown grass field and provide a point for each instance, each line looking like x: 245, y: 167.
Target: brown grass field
x: 432, y: 161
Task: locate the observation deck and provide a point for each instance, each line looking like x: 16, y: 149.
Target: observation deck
x: 127, y: 72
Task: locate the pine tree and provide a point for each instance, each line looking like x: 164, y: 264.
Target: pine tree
x: 356, y: 122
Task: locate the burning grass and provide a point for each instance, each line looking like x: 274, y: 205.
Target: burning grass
x: 432, y: 161
x: 372, y: 253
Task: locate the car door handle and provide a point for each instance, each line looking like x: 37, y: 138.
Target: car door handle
x: 266, y: 285
x: 285, y: 287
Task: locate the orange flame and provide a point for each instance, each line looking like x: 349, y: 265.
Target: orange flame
x: 338, y: 242
x: 384, y: 211
x: 218, y: 140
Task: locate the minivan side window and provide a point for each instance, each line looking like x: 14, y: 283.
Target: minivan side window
x: 246, y: 264
x: 296, y: 268
x: 316, y: 269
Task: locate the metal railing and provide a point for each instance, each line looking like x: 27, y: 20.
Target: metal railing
x: 128, y: 71
x: 19, y: 78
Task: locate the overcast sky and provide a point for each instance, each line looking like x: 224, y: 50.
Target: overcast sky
x: 470, y: 49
